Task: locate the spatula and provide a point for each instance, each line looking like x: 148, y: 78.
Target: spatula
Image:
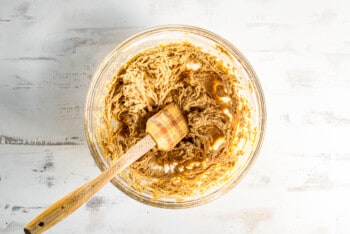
x: 165, y: 129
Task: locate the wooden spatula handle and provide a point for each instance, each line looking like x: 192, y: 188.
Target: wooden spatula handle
x: 72, y: 201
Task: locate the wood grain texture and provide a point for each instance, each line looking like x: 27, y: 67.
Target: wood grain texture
x: 66, y: 205
x: 301, y: 53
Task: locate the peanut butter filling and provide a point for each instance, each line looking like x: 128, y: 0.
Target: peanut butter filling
x: 207, y: 93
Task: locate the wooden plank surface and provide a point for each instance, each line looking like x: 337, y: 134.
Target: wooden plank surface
x: 300, y: 50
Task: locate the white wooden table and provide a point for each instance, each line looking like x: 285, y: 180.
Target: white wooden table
x: 301, y: 53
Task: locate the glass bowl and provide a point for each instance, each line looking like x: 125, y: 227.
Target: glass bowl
x: 250, y: 90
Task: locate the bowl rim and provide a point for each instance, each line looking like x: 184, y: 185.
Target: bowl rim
x: 237, y: 55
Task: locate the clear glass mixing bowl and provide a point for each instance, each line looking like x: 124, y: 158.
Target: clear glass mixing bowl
x: 215, y: 45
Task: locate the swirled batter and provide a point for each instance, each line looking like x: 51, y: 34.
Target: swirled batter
x: 207, y: 93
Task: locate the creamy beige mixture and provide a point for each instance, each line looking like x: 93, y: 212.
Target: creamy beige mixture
x: 206, y: 92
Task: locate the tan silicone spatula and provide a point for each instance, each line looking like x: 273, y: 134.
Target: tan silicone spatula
x: 165, y: 129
